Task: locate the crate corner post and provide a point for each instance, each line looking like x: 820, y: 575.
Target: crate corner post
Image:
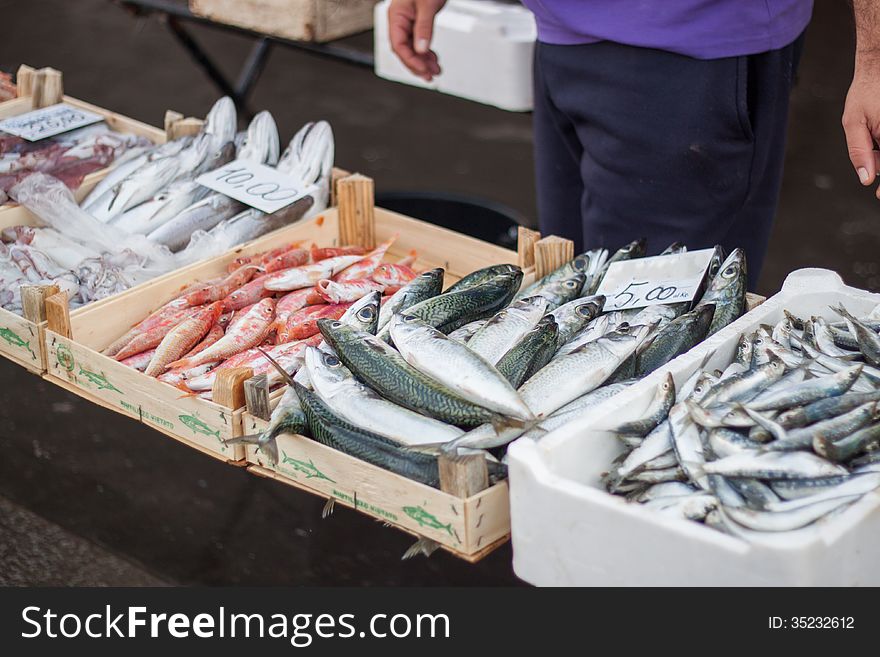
x: 357, y: 210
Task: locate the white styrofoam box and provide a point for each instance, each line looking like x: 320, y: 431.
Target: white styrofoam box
x: 485, y: 49
x: 568, y: 531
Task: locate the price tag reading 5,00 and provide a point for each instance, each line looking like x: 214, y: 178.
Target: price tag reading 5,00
x: 652, y: 281
x: 256, y: 185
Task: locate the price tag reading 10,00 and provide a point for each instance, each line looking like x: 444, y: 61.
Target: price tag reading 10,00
x: 652, y: 281
x: 256, y: 185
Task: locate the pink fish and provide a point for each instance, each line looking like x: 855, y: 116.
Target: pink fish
x: 250, y: 331
x: 365, y: 267
x: 347, y: 291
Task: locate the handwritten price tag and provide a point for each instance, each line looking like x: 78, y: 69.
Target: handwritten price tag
x: 256, y: 185
x: 653, y: 281
x: 48, y: 122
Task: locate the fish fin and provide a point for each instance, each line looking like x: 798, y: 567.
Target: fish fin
x: 329, y: 505
x: 270, y: 449
x: 284, y: 375
x: 250, y: 439
x: 423, y: 546
x: 189, y: 394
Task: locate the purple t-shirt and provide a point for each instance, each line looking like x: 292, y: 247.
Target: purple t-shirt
x: 705, y: 29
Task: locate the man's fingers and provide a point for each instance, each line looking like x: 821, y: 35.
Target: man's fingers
x: 400, y: 31
x: 423, y: 29
x: 860, y: 146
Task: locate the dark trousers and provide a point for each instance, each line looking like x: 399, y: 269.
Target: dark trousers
x: 633, y: 142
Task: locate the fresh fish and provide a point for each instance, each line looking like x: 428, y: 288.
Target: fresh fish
x: 385, y: 371
x: 727, y: 291
x: 774, y: 465
x: 364, y: 268
x: 203, y: 214
x: 531, y: 353
x: 506, y: 328
x: 307, y: 275
x: 658, y: 409
x: 562, y: 291
x: 346, y: 291
x: 183, y: 337
x: 481, y: 276
x: 565, y: 379
x: 869, y: 341
x: 574, y: 409
x: 248, y: 333
x: 362, y: 407
x: 451, y: 310
x: 573, y: 316
x: 392, y: 276
x: 806, y: 392
x: 426, y: 285
x: 329, y: 429
x: 674, y: 339
x: 456, y: 367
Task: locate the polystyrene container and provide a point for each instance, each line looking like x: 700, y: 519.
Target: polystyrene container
x: 568, y: 531
x: 485, y: 50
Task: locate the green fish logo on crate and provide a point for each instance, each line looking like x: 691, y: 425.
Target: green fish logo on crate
x: 310, y: 470
x: 64, y: 357
x: 99, y: 380
x: 425, y: 519
x: 198, y: 426
x: 15, y: 340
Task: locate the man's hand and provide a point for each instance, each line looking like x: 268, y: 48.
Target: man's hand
x: 861, y: 114
x: 410, y: 26
x: 861, y: 121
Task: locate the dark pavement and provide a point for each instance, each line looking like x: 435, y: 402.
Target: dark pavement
x: 81, y: 484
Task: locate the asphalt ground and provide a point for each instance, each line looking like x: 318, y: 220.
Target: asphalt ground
x: 90, y: 497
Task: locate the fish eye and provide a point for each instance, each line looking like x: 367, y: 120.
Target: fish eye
x: 336, y: 324
x: 331, y: 361
x: 570, y: 284
x: 584, y: 311
x: 729, y: 272
x: 367, y: 314
x: 409, y: 318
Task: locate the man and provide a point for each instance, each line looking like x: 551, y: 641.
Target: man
x: 667, y: 119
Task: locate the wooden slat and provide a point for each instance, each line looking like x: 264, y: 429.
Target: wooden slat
x: 33, y: 301
x: 58, y: 314
x: 25, y: 79
x: 525, y: 246
x: 551, y: 253
x: 228, y: 387
x: 50, y: 89
x: 463, y: 475
x: 357, y: 217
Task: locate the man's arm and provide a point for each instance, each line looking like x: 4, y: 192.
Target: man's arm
x: 861, y: 114
x: 410, y: 27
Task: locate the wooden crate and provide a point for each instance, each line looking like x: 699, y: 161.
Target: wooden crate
x: 469, y: 528
x: 77, y: 361
x: 297, y: 20
x: 38, y: 89
x: 22, y: 339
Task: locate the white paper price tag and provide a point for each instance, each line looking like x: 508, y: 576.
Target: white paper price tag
x: 256, y: 185
x: 652, y: 281
x: 48, y: 122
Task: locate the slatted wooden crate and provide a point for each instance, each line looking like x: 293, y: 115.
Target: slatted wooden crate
x: 468, y: 526
x: 21, y: 338
x: 298, y: 20
x: 76, y: 360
